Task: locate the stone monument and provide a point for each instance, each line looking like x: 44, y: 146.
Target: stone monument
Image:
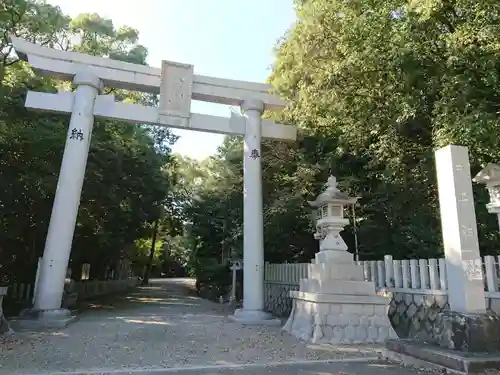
x: 465, y: 338
x: 468, y: 326
x: 335, y: 304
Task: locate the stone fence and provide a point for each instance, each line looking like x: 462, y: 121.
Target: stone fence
x: 279, y: 280
x: 417, y: 289
x: 424, y: 274
x: 81, y: 290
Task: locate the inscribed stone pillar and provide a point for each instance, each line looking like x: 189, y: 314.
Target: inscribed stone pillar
x: 459, y: 228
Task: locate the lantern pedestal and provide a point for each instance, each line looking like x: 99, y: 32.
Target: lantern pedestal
x: 335, y: 304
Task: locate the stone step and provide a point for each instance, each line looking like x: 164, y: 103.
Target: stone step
x: 330, y: 286
x: 432, y: 357
x: 336, y: 271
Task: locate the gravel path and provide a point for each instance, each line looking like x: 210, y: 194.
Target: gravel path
x: 163, y: 325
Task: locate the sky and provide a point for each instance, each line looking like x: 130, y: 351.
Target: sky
x: 222, y: 38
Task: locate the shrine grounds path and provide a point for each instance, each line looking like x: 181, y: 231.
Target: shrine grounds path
x: 164, y: 328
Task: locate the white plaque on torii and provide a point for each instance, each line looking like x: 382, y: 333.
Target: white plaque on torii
x: 176, y: 90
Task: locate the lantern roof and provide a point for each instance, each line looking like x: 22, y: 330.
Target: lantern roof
x: 488, y: 175
x: 332, y: 195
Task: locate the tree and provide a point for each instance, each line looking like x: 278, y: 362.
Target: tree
x: 387, y: 114
x: 35, y: 21
x: 375, y: 88
x: 127, y: 175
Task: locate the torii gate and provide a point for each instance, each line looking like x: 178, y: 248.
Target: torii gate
x: 177, y: 86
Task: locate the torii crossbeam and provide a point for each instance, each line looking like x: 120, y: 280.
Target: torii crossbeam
x: 178, y: 86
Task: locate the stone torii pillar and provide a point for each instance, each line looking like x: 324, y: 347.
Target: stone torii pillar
x: 67, y: 199
x: 253, y: 223
x: 178, y: 86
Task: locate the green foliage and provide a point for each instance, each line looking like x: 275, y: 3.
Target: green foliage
x: 375, y: 87
x: 388, y: 82
x: 212, y: 278
x: 129, y: 169
x: 175, y: 256
x: 142, y: 251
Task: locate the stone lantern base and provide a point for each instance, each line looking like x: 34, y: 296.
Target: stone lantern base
x: 335, y: 305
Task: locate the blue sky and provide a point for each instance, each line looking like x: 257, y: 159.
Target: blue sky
x: 221, y: 38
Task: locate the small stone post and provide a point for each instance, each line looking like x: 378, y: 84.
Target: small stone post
x: 37, y: 278
x: 235, y: 267
x: 4, y: 325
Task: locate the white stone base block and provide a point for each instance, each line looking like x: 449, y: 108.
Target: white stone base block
x: 39, y: 320
x: 254, y: 317
x: 337, y: 322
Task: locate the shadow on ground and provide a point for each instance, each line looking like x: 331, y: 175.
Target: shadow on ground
x: 160, y: 326
x: 160, y: 292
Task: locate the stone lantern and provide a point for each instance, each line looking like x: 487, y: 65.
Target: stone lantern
x: 335, y: 304
x: 490, y: 176
x: 330, y: 222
